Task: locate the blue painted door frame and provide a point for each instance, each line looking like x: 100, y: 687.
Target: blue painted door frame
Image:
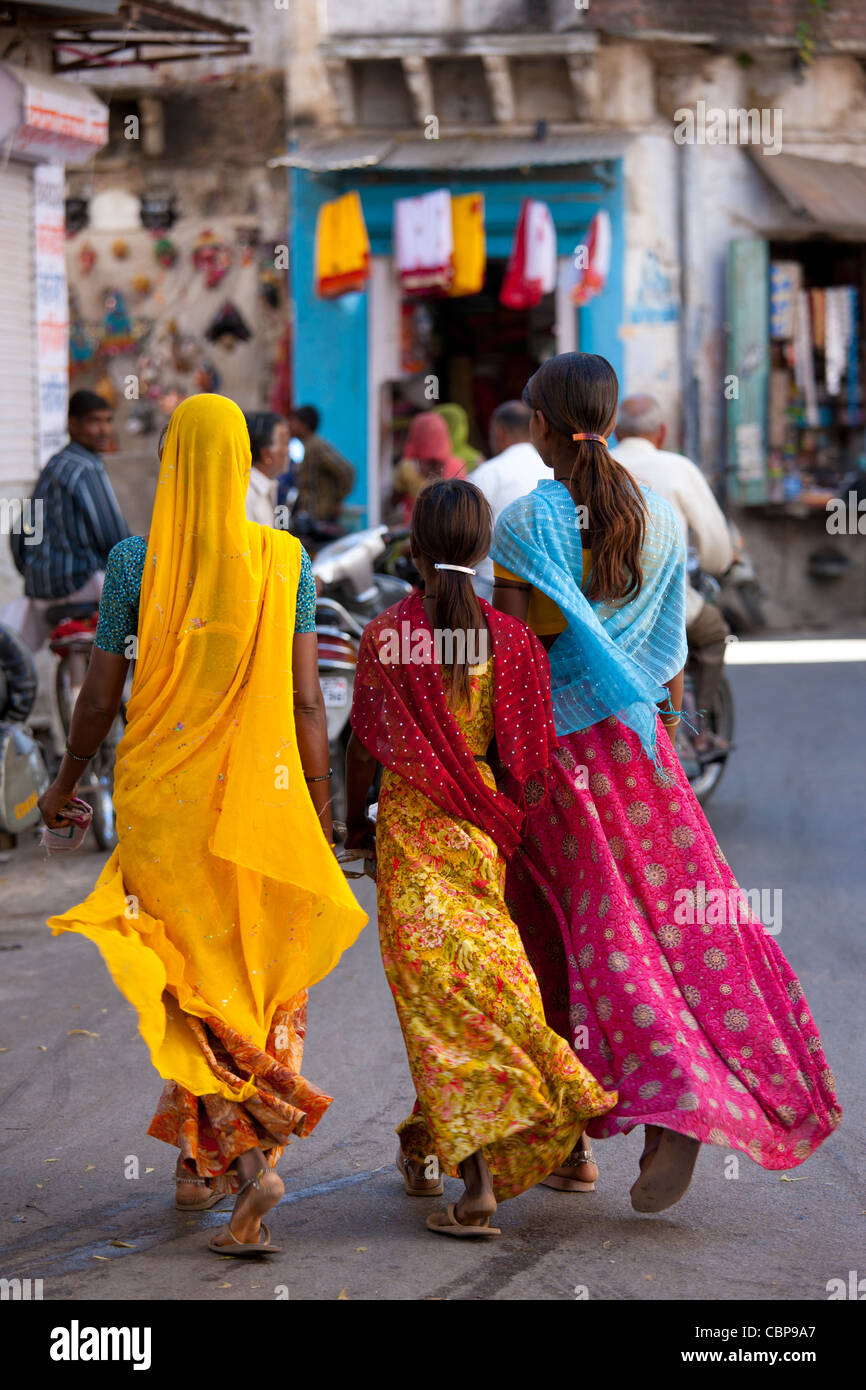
x: 330, y: 336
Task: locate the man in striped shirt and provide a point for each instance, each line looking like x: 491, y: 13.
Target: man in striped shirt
x: 80, y: 519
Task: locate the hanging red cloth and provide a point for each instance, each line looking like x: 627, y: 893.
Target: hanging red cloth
x: 531, y: 271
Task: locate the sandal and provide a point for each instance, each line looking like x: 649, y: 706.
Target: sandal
x: 426, y: 1187
x: 243, y: 1247
x: 445, y: 1223
x: 578, y: 1156
x: 666, y: 1167
x: 196, y: 1181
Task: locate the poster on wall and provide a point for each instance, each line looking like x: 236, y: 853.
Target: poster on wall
x: 52, y: 309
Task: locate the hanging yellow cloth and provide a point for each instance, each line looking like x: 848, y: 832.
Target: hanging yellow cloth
x: 470, y: 247
x: 222, y: 899
x: 342, y: 247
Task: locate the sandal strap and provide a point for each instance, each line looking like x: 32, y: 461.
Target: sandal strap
x: 194, y: 1179
x: 577, y: 1157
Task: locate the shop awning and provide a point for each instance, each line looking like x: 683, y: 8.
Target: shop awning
x: 831, y: 195
x: 481, y: 152
x: 45, y: 119
x: 92, y: 34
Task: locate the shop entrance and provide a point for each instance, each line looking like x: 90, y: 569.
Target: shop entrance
x: 469, y: 350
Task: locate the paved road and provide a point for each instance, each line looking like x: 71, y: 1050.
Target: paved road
x: 789, y: 814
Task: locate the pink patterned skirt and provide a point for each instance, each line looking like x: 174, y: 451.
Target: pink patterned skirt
x: 651, y: 963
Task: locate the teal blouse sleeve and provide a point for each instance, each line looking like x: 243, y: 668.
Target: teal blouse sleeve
x: 305, y: 613
x: 118, y: 606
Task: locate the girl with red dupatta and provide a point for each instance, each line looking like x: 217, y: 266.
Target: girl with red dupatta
x: 501, y: 1098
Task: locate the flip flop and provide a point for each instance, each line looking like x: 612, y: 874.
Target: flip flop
x: 666, y: 1176
x: 403, y: 1170
x: 243, y: 1249
x: 210, y: 1200
x: 575, y: 1159
x: 445, y: 1223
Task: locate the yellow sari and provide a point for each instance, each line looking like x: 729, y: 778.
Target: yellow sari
x: 222, y: 903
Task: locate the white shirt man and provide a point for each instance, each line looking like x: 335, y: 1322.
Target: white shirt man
x: 641, y: 433
x: 513, y: 471
x: 261, y: 497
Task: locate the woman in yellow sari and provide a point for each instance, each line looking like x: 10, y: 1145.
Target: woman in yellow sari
x: 223, y: 902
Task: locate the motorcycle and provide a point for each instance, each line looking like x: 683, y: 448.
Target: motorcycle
x: 23, y: 771
x: 704, y: 777
x: 352, y: 589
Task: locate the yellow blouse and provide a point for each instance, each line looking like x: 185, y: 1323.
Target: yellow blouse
x: 544, y: 616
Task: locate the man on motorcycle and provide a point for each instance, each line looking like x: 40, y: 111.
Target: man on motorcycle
x: 641, y: 432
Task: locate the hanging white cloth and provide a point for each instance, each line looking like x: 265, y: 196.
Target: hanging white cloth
x: 838, y: 327
x: 541, y: 246
x: 424, y: 241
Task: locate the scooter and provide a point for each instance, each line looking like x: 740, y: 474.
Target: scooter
x: 23, y: 771
x: 351, y: 592
x: 704, y: 777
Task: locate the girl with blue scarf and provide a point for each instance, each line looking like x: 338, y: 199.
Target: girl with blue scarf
x: 648, y: 956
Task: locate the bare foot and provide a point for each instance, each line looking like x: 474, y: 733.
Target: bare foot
x: 251, y: 1205
x: 478, y: 1203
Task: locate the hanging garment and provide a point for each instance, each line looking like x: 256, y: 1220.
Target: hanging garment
x: 786, y: 280
x: 817, y: 303
x: 804, y: 357
x: 531, y: 271
x: 342, y: 256
x: 424, y: 242
x: 592, y: 260
x: 837, y: 332
x: 470, y: 247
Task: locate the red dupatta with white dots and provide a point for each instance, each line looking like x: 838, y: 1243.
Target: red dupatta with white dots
x: 400, y: 713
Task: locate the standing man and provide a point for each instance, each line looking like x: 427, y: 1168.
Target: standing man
x: 269, y: 449
x: 81, y: 520
x: 324, y: 477
x: 642, y: 432
x: 512, y: 472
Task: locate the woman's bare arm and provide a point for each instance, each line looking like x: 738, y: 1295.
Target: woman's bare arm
x: 673, y: 702
x: 360, y: 771
x: 311, y: 725
x: 95, y: 711
x: 511, y: 598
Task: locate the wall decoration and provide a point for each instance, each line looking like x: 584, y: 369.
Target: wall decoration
x: 142, y: 284
x: 87, y: 258
x: 77, y: 215
x: 165, y: 252
x: 117, y: 334
x: 228, y: 327
x: 213, y: 257
x: 158, y: 211
x: 120, y: 248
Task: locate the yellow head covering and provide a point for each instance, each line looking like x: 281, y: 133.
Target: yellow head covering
x: 222, y: 899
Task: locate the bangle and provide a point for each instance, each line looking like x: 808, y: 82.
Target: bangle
x: 324, y: 777
x: 77, y: 756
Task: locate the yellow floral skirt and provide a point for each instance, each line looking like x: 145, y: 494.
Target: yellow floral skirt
x: 489, y: 1074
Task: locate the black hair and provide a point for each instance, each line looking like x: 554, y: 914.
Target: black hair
x: 83, y: 403
x: 260, y: 427
x: 309, y: 415
x: 513, y: 416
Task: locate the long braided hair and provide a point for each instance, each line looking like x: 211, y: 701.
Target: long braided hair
x: 577, y: 392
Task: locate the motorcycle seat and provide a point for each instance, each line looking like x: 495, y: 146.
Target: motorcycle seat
x: 59, y: 612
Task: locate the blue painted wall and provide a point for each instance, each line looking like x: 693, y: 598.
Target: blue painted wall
x: 330, y: 343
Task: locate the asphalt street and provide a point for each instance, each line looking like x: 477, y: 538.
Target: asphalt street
x: 77, y: 1093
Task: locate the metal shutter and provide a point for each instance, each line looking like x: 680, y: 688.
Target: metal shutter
x: 18, y: 387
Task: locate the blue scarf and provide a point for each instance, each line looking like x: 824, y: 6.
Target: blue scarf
x: 613, y: 658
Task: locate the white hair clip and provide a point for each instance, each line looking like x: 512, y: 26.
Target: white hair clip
x: 462, y: 569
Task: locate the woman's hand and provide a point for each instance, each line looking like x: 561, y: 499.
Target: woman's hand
x: 52, y: 802
x: 361, y: 835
